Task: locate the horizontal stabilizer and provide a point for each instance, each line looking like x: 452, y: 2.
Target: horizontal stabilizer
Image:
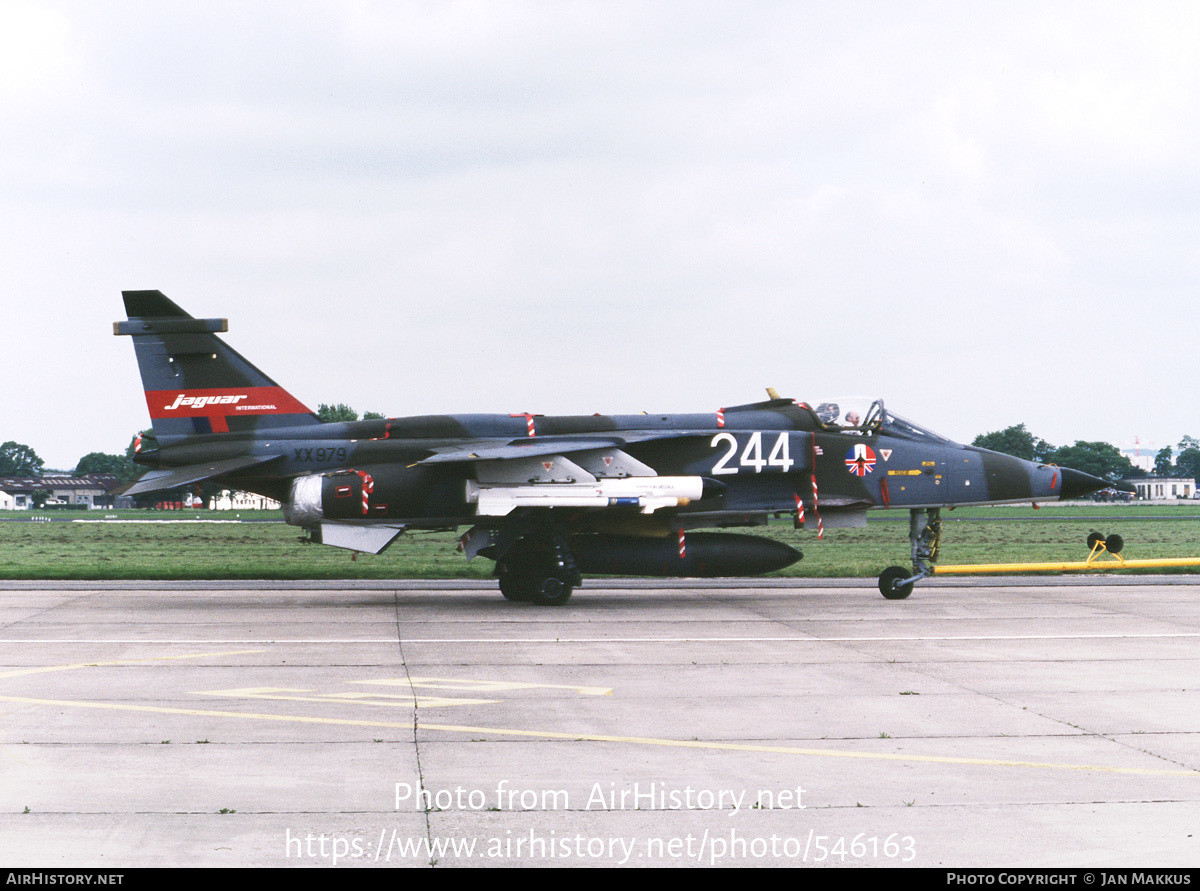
x: 174, y: 477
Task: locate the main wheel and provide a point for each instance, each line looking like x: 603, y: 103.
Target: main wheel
x: 889, y: 585
x: 538, y: 569
x: 551, y: 591
x: 515, y: 587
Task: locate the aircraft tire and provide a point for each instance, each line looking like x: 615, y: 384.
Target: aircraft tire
x: 539, y: 569
x: 887, y: 583
x: 551, y: 591
x: 515, y: 587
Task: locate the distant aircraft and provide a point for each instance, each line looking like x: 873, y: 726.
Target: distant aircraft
x: 550, y: 498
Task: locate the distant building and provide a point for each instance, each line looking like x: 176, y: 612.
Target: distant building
x: 1161, y: 488
x: 229, y: 500
x: 91, y: 490
x: 1141, y: 456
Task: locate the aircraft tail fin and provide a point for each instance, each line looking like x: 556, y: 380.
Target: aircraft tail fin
x: 194, y: 382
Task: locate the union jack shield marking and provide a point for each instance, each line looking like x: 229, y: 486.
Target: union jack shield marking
x: 860, y: 460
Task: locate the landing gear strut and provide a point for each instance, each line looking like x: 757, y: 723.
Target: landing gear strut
x: 539, y: 569
x: 925, y: 535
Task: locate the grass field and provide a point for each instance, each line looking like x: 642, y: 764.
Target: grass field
x: 90, y: 547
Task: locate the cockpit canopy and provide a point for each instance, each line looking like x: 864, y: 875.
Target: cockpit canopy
x: 859, y: 414
x: 849, y: 414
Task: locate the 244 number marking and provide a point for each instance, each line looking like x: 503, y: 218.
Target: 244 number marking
x: 752, y: 454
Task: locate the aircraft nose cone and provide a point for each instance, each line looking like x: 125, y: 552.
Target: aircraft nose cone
x: 1076, y: 483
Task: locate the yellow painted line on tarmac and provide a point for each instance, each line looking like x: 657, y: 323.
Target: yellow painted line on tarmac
x: 596, y: 737
x: 291, y: 694
x: 536, y: 734
x: 478, y: 686
x: 795, y: 750
x: 44, y: 669
x: 791, y: 638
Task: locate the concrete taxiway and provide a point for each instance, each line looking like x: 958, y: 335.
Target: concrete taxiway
x: 979, y: 723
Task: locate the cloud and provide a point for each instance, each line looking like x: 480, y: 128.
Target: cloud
x: 422, y: 207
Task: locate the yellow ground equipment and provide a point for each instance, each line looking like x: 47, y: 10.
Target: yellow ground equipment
x: 1105, y: 554
x: 895, y: 583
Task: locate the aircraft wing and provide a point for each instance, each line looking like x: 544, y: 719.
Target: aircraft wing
x: 174, y: 477
x: 540, y: 446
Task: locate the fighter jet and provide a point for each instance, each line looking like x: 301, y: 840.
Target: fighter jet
x: 551, y: 498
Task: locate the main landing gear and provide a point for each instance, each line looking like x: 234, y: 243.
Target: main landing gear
x: 925, y: 535
x: 538, y: 569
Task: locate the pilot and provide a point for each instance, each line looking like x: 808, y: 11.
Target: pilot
x: 827, y: 412
x: 852, y: 419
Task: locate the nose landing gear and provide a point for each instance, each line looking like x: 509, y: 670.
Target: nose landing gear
x: 925, y: 535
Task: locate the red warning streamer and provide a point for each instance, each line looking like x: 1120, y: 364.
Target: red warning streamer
x: 368, y: 486
x: 816, y: 509
x: 530, y: 428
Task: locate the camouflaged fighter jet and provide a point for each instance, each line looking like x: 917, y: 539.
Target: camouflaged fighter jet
x: 552, y: 498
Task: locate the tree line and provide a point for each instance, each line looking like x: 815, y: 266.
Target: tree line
x: 1100, y: 459
x: 18, y: 460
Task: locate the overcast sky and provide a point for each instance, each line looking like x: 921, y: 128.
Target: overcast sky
x: 984, y: 213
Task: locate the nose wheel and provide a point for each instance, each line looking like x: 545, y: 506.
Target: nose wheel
x: 895, y: 583
x: 925, y: 537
